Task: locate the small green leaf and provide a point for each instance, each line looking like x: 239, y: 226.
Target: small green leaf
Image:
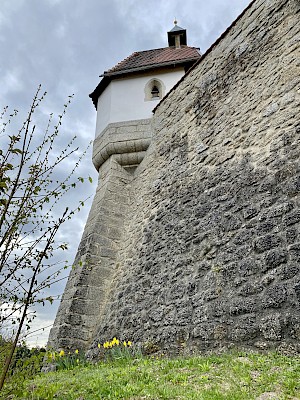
x: 16, y: 151
x: 37, y: 189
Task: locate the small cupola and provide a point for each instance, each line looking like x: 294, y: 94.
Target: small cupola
x: 177, y: 36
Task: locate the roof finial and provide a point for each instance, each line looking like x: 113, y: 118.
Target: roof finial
x: 175, y: 21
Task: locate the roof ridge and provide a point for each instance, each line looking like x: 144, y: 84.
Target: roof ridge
x: 166, y: 47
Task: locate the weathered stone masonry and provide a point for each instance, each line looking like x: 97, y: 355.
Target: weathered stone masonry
x: 207, y: 242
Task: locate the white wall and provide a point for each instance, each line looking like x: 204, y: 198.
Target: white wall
x: 124, y: 99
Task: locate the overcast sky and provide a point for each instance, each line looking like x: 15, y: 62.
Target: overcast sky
x: 66, y: 44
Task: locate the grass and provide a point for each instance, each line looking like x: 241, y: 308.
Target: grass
x: 227, y: 376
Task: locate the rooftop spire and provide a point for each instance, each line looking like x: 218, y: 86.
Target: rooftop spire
x: 177, y: 36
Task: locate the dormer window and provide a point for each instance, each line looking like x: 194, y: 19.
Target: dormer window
x: 154, y: 90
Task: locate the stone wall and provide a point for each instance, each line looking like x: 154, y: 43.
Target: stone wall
x: 198, y: 245
x: 210, y: 255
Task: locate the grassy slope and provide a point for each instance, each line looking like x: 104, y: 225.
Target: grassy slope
x: 215, y: 377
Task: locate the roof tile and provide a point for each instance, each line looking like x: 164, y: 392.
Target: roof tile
x: 155, y: 57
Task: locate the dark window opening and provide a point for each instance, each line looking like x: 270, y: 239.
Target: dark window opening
x: 155, y: 91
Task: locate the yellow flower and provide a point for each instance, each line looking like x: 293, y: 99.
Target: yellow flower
x: 76, y: 351
x: 99, y: 345
x: 61, y: 353
x: 125, y: 343
x: 129, y: 343
x: 115, y: 341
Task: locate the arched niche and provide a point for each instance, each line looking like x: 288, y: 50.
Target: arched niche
x: 154, y: 89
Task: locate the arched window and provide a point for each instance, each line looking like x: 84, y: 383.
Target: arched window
x: 154, y: 90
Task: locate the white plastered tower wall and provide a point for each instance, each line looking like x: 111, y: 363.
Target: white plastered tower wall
x: 124, y: 99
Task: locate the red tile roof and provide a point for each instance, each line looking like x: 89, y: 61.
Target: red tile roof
x: 154, y: 58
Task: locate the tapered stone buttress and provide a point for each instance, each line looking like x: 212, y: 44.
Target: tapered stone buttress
x: 84, y: 298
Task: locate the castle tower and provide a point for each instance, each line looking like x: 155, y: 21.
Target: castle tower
x: 124, y: 100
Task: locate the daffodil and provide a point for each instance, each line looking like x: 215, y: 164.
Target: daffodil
x: 129, y: 343
x: 125, y: 343
x: 115, y: 341
x: 99, y: 345
x: 61, y: 353
x: 76, y: 351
